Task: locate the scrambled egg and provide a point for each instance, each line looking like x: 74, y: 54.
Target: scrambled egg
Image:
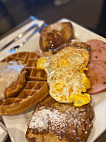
x: 65, y: 75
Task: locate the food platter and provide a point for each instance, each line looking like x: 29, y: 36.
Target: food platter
x: 17, y: 124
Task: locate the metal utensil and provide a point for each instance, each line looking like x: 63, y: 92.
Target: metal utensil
x: 3, y: 126
x: 19, y: 36
x: 38, y: 29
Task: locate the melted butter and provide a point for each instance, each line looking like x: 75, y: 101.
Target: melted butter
x: 9, y: 73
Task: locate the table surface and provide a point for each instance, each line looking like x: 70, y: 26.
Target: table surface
x: 102, y: 138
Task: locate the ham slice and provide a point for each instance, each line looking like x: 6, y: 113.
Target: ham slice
x: 97, y: 50
x: 97, y: 75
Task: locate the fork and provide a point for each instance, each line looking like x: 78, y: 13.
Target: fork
x: 19, y: 36
x: 38, y: 29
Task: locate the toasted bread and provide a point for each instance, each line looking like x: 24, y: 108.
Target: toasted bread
x: 55, y: 35
x: 56, y: 122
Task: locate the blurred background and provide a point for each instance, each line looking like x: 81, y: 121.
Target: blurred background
x: 88, y: 13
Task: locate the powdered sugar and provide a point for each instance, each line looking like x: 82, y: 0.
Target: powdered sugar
x: 59, y: 122
x: 41, y: 119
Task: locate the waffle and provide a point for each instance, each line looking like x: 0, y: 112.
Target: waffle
x: 35, y: 88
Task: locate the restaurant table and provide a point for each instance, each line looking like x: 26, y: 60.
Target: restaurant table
x: 102, y: 137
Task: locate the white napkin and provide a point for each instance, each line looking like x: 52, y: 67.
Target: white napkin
x: 17, y: 125
x: 3, y: 132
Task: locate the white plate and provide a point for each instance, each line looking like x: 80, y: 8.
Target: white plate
x: 17, y: 124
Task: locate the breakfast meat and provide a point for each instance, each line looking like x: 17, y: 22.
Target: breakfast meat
x: 97, y: 75
x: 97, y: 50
x: 56, y: 122
x: 97, y: 66
x: 16, y: 86
x: 55, y: 35
x: 65, y: 74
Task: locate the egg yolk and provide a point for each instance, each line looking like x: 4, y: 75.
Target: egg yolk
x: 86, y: 83
x: 79, y: 99
x: 40, y: 63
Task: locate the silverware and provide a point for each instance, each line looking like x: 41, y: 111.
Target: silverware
x: 19, y: 36
x: 38, y: 29
x: 3, y: 126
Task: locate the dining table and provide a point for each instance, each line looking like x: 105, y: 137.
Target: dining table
x: 8, y: 131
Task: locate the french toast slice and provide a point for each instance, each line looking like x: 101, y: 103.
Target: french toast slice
x: 56, y: 122
x: 55, y: 35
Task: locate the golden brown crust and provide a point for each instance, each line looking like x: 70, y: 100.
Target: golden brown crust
x: 34, y: 90
x: 74, y: 125
x: 55, y: 35
x: 48, y: 137
x: 16, y: 86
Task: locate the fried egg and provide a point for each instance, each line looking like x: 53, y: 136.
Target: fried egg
x: 65, y: 75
